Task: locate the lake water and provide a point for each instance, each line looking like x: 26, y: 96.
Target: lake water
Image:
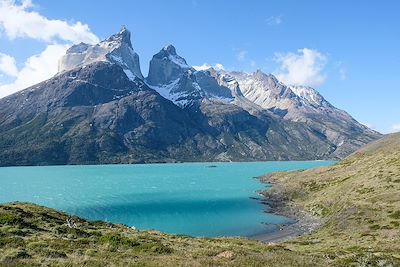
x: 187, y: 198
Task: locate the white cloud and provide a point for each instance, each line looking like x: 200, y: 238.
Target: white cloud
x: 37, y: 68
x: 243, y: 59
x: 341, y: 70
x: 395, y: 128
x: 206, y: 66
x: 219, y: 66
x: 342, y: 74
x: 274, y: 20
x: 8, y: 65
x: 302, y: 68
x: 19, y: 21
x: 241, y: 55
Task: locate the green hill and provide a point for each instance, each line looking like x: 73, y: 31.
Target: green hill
x: 357, y: 202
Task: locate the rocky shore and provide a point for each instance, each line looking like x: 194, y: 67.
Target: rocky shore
x: 277, y: 203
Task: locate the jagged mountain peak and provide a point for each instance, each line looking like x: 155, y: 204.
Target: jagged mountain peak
x: 170, y: 49
x: 78, y: 48
x: 309, y: 94
x: 166, y: 67
x: 262, y: 75
x: 174, y: 79
x: 169, y: 56
x: 116, y: 49
x: 123, y: 36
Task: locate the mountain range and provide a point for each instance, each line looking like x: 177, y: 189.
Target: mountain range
x: 99, y: 108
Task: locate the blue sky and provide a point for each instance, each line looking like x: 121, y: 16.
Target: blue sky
x: 350, y: 48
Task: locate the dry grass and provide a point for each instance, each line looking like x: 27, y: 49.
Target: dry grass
x: 31, y: 235
x: 358, y: 201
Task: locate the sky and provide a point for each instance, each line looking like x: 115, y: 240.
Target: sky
x: 347, y: 50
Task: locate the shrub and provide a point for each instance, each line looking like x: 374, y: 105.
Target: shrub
x: 395, y: 215
x: 10, y: 219
x: 15, y: 254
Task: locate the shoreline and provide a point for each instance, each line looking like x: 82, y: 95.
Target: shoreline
x: 303, y: 223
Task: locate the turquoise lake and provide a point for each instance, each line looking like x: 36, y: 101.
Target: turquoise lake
x: 187, y: 198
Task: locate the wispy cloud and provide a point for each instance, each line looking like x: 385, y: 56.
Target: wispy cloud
x: 339, y: 66
x: 241, y: 55
x: 305, y: 67
x: 244, y: 60
x: 274, y: 20
x: 8, y: 65
x: 342, y: 74
x: 18, y: 20
x: 395, y: 128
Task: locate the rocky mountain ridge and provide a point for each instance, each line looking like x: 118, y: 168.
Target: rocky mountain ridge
x: 100, y: 109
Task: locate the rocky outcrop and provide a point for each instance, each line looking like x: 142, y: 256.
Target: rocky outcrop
x: 116, y: 49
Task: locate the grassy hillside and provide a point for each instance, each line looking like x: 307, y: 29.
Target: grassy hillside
x: 31, y: 236
x: 357, y: 201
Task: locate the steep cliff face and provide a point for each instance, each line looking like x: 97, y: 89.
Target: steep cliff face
x: 166, y: 66
x: 116, y: 49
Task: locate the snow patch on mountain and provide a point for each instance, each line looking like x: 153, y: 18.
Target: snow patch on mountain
x: 179, y: 61
x: 165, y: 90
x: 116, y: 49
x: 172, y: 92
x: 308, y: 94
x: 185, y: 91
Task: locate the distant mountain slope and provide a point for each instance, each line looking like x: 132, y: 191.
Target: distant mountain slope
x: 174, y: 79
x: 100, y: 109
x: 305, y: 104
x: 357, y: 200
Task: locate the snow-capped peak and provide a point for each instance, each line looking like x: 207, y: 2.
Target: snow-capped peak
x: 121, y: 37
x: 169, y: 52
x: 173, y: 78
x: 124, y: 35
x: 115, y: 49
x: 166, y: 66
x: 169, y: 49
